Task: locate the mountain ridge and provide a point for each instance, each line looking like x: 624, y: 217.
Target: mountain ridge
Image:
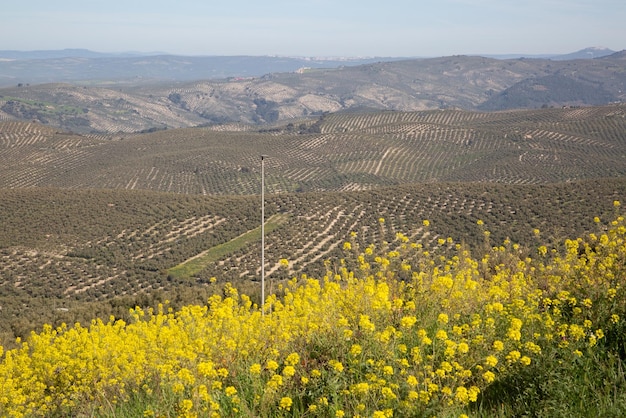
x: 588, y: 52
x: 457, y: 82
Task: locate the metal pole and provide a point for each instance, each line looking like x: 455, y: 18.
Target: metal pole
x: 262, y: 235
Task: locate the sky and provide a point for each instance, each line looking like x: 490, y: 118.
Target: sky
x: 315, y: 28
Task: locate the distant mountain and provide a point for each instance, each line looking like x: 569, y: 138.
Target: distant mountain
x: 548, y: 91
x: 148, y: 101
x: 63, y: 53
x: 80, y: 66
x: 587, y: 53
x: 621, y: 55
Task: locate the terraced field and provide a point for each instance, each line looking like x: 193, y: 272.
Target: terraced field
x: 334, y: 153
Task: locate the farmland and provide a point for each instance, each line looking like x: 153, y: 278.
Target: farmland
x: 406, y: 328
x: 105, y: 219
x: 335, y: 152
x: 94, y: 224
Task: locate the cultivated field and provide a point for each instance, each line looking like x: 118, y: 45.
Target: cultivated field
x: 337, y: 152
x: 95, y: 224
x: 94, y: 218
x: 62, y: 251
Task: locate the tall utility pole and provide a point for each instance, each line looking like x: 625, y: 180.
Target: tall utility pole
x: 263, y: 234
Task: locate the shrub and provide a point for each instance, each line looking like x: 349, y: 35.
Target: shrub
x: 412, y: 331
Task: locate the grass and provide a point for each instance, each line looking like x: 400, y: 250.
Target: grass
x: 191, y: 267
x: 592, y: 386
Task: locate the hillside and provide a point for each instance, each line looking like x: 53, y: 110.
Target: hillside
x: 458, y: 82
x: 337, y: 152
x: 89, y: 67
x: 138, y: 204
x: 93, y: 224
x: 67, y: 255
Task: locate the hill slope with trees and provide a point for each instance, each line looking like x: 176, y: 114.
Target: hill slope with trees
x: 336, y: 152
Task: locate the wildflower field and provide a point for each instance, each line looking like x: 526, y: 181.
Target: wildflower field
x: 392, y: 329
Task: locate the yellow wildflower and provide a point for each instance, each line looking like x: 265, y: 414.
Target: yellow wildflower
x: 285, y: 403
x: 289, y: 371
x: 491, y: 361
x: 271, y: 365
x: 489, y: 376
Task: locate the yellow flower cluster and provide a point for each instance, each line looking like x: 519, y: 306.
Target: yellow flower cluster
x: 355, y: 343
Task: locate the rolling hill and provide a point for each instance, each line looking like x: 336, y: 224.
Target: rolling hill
x: 458, y: 82
x: 139, y: 194
x: 336, y: 152
x: 70, y: 255
x: 94, y: 224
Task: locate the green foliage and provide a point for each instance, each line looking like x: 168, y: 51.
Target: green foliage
x: 592, y: 385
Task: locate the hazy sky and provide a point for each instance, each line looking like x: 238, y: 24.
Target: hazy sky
x: 408, y: 28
